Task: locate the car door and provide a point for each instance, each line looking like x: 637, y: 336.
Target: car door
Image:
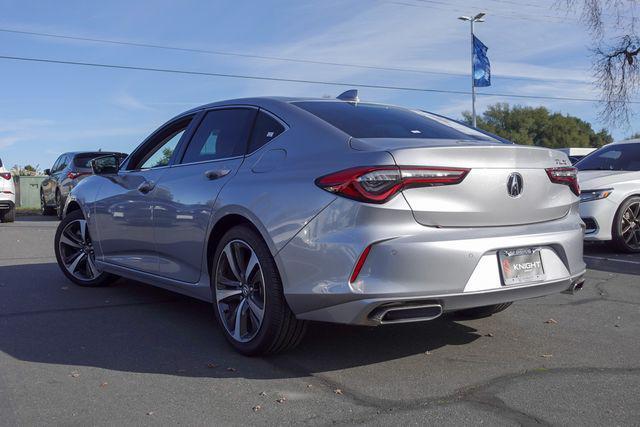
x: 124, y: 204
x: 187, y: 192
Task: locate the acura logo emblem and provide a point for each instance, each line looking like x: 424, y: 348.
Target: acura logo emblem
x: 515, y: 184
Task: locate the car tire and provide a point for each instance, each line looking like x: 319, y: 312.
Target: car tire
x: 235, y: 290
x: 9, y: 216
x: 481, y: 312
x: 44, y: 209
x: 59, y: 209
x: 72, y: 242
x: 627, y: 215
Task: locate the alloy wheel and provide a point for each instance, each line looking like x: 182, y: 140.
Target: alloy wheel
x: 239, y: 289
x: 630, y: 227
x: 76, y: 250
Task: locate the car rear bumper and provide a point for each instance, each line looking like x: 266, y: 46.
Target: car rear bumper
x: 454, y: 267
x: 6, y: 204
x: 371, y: 311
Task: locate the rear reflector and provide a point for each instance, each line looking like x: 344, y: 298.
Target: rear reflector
x: 359, y: 264
x: 378, y: 184
x: 5, y: 175
x: 565, y: 176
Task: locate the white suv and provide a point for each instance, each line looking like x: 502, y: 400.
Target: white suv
x: 7, y: 196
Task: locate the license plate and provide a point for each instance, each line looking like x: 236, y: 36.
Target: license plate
x: 521, y: 265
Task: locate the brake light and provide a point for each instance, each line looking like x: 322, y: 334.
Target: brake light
x: 378, y: 184
x: 74, y: 175
x: 6, y: 175
x: 566, y: 176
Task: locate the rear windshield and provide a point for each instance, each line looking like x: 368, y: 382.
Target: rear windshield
x: 616, y: 157
x: 84, y: 160
x: 382, y: 121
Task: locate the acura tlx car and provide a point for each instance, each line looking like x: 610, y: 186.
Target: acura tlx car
x: 610, y: 205
x: 282, y: 210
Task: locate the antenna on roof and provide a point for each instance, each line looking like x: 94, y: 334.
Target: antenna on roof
x: 351, y: 95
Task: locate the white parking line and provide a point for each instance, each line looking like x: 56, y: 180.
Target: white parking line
x: 612, y: 259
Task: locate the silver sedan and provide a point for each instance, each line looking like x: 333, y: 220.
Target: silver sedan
x: 281, y: 211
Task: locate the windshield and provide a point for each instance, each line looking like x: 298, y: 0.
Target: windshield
x: 616, y: 157
x: 362, y: 120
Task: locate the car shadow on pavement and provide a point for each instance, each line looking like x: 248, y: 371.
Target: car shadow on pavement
x: 133, y: 327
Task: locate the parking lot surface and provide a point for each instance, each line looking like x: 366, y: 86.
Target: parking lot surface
x: 133, y: 354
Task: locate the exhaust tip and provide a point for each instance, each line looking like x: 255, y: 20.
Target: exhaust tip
x: 575, y: 287
x: 406, y: 313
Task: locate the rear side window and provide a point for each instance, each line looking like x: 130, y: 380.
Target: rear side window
x: 84, y: 160
x: 362, y: 120
x: 264, y: 130
x: 221, y: 134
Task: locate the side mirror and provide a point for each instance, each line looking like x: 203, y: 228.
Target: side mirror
x: 47, y: 171
x: 106, y: 165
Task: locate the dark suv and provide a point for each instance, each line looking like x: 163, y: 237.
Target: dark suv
x: 66, y: 172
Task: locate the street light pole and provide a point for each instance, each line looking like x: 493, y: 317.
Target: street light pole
x: 478, y: 18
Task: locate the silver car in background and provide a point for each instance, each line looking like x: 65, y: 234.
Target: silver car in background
x: 282, y: 210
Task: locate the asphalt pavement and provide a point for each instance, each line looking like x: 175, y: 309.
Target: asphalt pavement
x: 130, y: 354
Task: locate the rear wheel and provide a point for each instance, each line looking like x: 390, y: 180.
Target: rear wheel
x: 626, y: 226
x: 248, y: 298
x: 10, y: 215
x: 75, y: 254
x: 486, y: 311
x: 44, y: 209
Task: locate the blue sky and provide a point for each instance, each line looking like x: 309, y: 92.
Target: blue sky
x: 46, y: 109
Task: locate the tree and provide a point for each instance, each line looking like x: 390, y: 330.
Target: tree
x: 613, y: 25
x: 537, y: 126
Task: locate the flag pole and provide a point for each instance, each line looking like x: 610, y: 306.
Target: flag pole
x: 473, y: 86
x: 472, y: 19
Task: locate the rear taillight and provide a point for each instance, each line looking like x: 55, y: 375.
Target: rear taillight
x: 74, y: 175
x: 378, y: 184
x: 5, y: 175
x: 566, y: 176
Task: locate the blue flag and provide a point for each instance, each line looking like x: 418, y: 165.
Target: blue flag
x: 481, y: 65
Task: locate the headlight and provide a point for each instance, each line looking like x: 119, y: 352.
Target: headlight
x: 590, y: 195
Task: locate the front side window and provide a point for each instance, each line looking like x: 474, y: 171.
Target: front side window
x: 158, y: 151
x: 221, y: 134
x: 362, y: 120
x: 161, y: 155
x: 616, y: 157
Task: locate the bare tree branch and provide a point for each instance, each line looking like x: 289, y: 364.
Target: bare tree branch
x: 612, y: 25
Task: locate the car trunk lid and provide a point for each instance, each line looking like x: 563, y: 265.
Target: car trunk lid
x: 484, y: 197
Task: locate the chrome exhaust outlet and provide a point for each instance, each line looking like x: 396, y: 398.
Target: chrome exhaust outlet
x: 389, y: 314
x: 575, y: 287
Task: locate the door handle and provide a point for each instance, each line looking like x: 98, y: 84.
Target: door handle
x: 146, y: 187
x: 217, y: 173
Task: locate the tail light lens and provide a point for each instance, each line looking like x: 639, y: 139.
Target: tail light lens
x: 5, y: 175
x: 566, y: 176
x: 74, y: 175
x: 381, y: 183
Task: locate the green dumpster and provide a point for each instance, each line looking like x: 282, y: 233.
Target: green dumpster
x: 28, y: 191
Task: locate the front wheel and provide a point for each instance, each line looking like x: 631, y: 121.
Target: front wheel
x: 248, y: 298
x: 480, y: 312
x: 626, y: 226
x: 75, y: 254
x: 44, y: 209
